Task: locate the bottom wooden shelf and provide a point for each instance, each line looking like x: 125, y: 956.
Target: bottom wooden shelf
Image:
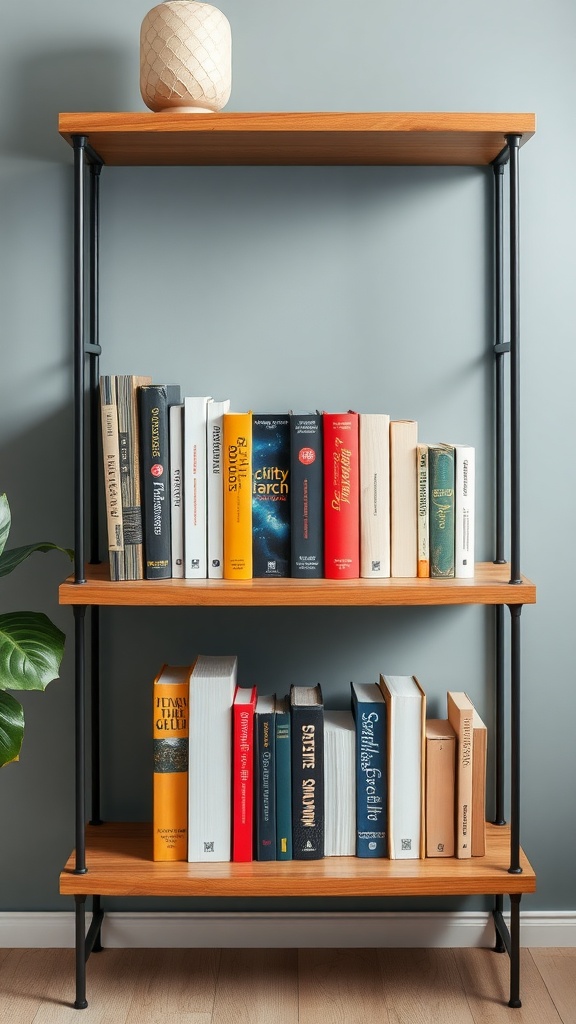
x: 119, y: 862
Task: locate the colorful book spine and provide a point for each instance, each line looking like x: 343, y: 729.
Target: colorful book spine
x: 369, y: 711
x: 130, y: 478
x: 283, y: 780
x: 403, y: 498
x: 265, y: 777
x: 112, y: 481
x: 423, y: 524
x: 177, y: 490
x: 341, y: 496
x: 374, y: 495
x: 307, y: 723
x: 195, y: 529
x: 270, y: 495
x: 306, y: 493
x: 465, y: 488
x: 243, y: 774
x: 215, y: 490
x: 170, y: 788
x: 441, y: 478
x: 155, y: 401
x: 237, y: 430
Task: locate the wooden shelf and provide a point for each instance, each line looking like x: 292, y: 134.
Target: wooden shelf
x: 119, y: 861
x: 379, y: 138
x: 490, y: 585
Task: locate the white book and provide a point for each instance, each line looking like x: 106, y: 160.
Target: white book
x: 374, y: 495
x: 214, y: 481
x: 339, y: 784
x: 423, y: 524
x: 176, y: 413
x: 195, y: 550
x: 403, y: 498
x: 212, y: 688
x: 406, y: 713
x: 464, y: 517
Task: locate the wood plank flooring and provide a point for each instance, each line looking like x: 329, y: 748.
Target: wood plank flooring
x: 288, y: 986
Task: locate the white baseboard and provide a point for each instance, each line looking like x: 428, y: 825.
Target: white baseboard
x: 342, y: 930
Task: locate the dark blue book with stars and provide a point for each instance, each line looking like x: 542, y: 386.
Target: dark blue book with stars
x: 270, y: 494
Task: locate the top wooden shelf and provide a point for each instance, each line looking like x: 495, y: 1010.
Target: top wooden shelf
x: 380, y: 138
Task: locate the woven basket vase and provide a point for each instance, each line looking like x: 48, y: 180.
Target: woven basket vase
x: 185, y: 58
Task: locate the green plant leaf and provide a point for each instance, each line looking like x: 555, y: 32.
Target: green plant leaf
x: 11, y: 728
x: 11, y: 558
x: 5, y: 521
x: 31, y: 649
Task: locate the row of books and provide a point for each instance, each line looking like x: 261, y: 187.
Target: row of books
x: 242, y: 776
x: 196, y: 491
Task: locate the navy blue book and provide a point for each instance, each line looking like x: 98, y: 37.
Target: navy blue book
x: 307, y: 495
x: 270, y: 494
x: 369, y: 710
x: 265, y: 778
x: 154, y: 403
x: 283, y: 780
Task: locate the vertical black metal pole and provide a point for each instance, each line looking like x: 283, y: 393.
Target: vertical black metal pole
x: 79, y: 348
x: 515, y: 1000
x: 500, y: 479
x: 514, y: 148
x: 80, y: 755
x: 80, y: 1002
x: 515, y: 612
x: 94, y: 349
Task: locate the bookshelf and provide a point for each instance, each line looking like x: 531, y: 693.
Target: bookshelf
x: 114, y: 859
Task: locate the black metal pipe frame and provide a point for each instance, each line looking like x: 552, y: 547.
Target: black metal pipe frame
x: 94, y: 412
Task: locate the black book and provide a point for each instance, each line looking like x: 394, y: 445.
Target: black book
x: 154, y: 403
x: 265, y: 778
x: 306, y: 494
x: 307, y: 714
x: 270, y: 494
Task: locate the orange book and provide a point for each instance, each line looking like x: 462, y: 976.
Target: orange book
x: 170, y: 732
x: 237, y: 474
x: 440, y: 787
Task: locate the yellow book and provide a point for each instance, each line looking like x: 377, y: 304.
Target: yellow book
x: 237, y: 474
x: 170, y: 732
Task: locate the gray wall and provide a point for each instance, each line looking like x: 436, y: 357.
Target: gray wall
x: 361, y: 288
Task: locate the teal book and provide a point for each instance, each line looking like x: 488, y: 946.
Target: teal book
x: 283, y: 780
x: 441, y: 512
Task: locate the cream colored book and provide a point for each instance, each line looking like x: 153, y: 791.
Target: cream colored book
x: 403, y: 498
x: 464, y: 518
x: 440, y: 787
x: 339, y: 784
x: 406, y: 717
x: 423, y: 525
x: 215, y: 487
x: 460, y: 715
x: 479, y: 752
x: 195, y: 526
x: 374, y: 495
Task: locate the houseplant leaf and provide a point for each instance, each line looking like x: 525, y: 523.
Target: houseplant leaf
x: 11, y: 558
x: 11, y: 728
x: 31, y: 649
x: 4, y: 521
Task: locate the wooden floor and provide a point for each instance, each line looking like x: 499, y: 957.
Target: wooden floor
x: 285, y: 986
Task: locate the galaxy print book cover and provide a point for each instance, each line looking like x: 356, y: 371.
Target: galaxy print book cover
x: 270, y: 494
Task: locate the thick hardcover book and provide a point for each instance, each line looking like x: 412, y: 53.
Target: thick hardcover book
x: 130, y: 477
x: 212, y: 689
x: 307, y: 721
x: 441, y: 481
x: 460, y: 716
x: 283, y: 780
x: 215, y: 491
x: 270, y: 495
x: 374, y: 495
x: 112, y: 481
x: 265, y: 777
x: 177, y: 490
x: 479, y: 752
x: 243, y: 774
x: 464, y: 501
x: 341, y: 496
x: 369, y: 711
x: 306, y: 492
x: 403, y: 498
x: 406, y: 714
x: 170, y: 737
x: 195, y: 528
x: 237, y: 495
x: 155, y: 401
x: 339, y: 784
x: 440, y: 787
x: 423, y: 524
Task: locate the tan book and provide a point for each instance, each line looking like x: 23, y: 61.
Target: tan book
x: 403, y: 498
x: 460, y: 714
x: 479, y: 750
x: 129, y: 440
x: 374, y: 495
x: 440, y: 787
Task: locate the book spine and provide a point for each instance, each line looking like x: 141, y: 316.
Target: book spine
x: 306, y: 492
x: 441, y: 473
x: 461, y: 720
x: 341, y: 496
x: 283, y: 787
x: 170, y: 787
x: 440, y: 795
x: 265, y: 779
x: 464, y: 486
x: 243, y: 782
x: 215, y: 492
x: 371, y: 788
x: 154, y: 402
x: 479, y: 752
x: 403, y: 498
x: 307, y: 725
x: 129, y: 440
x: 176, y: 491
x: 374, y: 441
x: 195, y: 530
x: 112, y: 481
x: 270, y: 495
x: 423, y: 524
x: 237, y: 431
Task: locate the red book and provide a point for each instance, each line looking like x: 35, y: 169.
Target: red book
x: 243, y: 773
x: 341, y: 496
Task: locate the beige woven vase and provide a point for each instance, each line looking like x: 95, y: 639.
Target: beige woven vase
x: 185, y: 58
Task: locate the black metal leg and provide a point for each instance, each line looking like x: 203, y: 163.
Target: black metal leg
x: 499, y: 944
x: 514, y: 1000
x: 80, y: 1002
x: 80, y: 756
x: 515, y: 612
